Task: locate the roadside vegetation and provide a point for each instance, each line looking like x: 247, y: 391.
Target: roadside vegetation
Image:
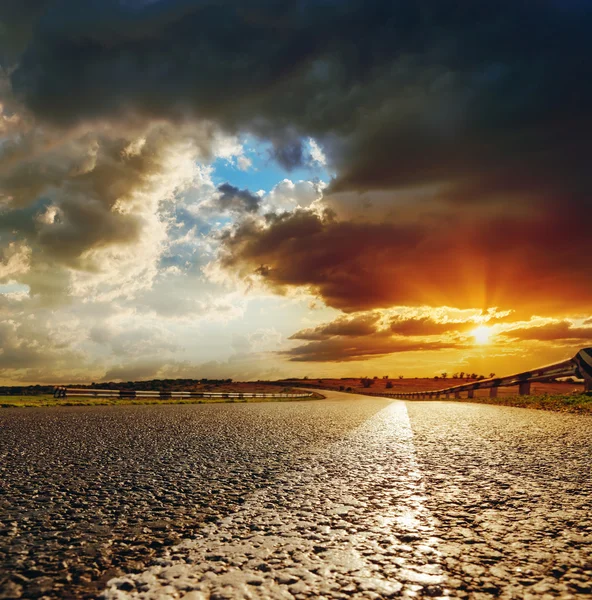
x: 574, y: 403
x: 45, y: 400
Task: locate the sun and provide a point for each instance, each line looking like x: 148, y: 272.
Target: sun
x: 482, y: 334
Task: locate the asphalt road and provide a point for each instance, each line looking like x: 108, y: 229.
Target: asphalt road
x: 348, y: 497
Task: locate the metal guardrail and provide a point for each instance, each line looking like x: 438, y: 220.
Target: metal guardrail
x: 580, y: 366
x: 66, y: 392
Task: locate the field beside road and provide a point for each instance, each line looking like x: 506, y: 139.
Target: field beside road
x: 575, y: 403
x: 424, y: 384
x: 46, y: 400
x: 564, y: 396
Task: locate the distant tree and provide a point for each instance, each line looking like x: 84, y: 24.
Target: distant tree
x: 400, y: 376
x: 491, y: 375
x: 305, y: 377
x: 435, y: 377
x: 366, y: 382
x: 444, y: 375
x: 455, y: 376
x: 375, y: 377
x: 462, y: 374
x: 385, y: 376
x: 389, y: 385
x: 481, y: 377
x: 473, y: 375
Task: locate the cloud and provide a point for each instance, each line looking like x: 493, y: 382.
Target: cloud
x: 373, y: 334
x: 290, y: 154
x: 457, y: 138
x: 14, y: 260
x: 359, y: 265
x: 398, y: 94
x: 425, y: 326
x: 349, y: 348
x: 134, y: 371
x: 91, y: 204
x: 288, y: 195
x: 554, y: 331
x: 237, y: 367
x: 32, y: 344
x: 233, y: 199
x: 356, y: 326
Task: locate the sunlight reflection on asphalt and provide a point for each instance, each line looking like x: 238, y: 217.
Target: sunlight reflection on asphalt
x: 353, y: 521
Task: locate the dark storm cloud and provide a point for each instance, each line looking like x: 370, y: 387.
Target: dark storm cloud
x: 486, y: 104
x: 467, y: 263
x: 492, y: 97
x: 17, y: 20
x: 289, y: 155
x: 234, y: 199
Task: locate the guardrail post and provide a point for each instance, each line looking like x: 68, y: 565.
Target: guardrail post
x: 583, y: 360
x: 524, y: 388
x: 493, y: 392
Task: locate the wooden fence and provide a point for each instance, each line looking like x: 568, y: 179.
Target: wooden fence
x: 67, y: 392
x: 579, y: 366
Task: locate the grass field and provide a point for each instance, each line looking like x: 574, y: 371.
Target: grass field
x: 49, y: 400
x: 574, y: 403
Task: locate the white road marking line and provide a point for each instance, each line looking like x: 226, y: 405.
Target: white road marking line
x: 354, y: 520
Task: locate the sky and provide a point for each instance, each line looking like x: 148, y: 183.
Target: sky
x: 256, y: 190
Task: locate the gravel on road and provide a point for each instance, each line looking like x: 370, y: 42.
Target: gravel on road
x: 89, y: 493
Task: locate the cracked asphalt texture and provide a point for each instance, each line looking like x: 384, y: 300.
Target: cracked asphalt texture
x: 349, y: 497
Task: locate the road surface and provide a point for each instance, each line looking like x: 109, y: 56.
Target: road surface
x: 349, y: 497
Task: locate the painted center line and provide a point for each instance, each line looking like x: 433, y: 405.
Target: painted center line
x: 352, y: 521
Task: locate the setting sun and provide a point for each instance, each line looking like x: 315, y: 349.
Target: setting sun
x: 481, y: 334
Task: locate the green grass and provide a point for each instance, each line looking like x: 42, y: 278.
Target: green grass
x: 573, y: 403
x: 48, y: 400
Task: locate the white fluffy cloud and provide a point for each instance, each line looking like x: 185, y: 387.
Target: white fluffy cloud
x: 111, y: 229
x: 288, y: 195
